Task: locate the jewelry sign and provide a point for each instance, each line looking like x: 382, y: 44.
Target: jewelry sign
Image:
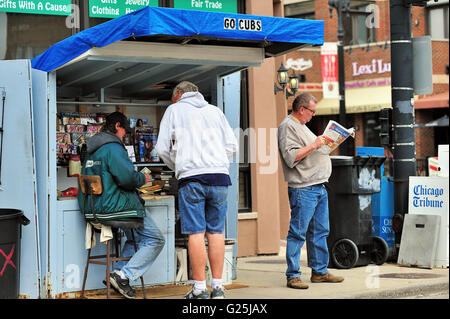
x: 53, y: 7
x: 117, y: 8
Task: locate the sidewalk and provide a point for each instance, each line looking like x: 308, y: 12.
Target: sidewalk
x: 263, y: 277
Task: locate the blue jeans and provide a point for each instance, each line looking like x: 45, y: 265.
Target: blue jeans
x: 309, y: 221
x: 202, y: 208
x: 149, y: 241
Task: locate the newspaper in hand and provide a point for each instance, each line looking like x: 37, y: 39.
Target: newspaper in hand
x: 335, y: 134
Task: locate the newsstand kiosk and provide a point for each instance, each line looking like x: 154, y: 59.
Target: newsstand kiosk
x: 130, y: 64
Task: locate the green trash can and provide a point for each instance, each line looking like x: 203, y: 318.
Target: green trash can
x: 11, y: 221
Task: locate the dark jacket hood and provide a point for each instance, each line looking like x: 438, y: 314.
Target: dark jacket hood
x: 100, y: 139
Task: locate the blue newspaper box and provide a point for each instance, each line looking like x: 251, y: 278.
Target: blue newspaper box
x: 382, y: 202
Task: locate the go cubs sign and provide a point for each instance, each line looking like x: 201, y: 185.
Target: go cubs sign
x: 242, y: 24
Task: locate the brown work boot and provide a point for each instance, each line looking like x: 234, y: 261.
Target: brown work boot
x: 326, y: 278
x: 296, y: 283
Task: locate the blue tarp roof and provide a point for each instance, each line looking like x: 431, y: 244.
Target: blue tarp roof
x: 151, y: 21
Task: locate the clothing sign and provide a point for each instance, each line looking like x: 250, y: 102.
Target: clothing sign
x: 330, y: 70
x: 429, y: 196
x: 117, y: 8
x: 53, y: 7
x: 207, y: 5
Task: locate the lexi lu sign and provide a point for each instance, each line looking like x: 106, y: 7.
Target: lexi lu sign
x: 377, y: 66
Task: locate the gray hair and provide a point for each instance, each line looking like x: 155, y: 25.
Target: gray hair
x: 302, y: 100
x: 184, y: 87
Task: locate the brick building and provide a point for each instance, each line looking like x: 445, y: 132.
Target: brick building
x: 367, y: 59
x: 366, y: 49
x: 367, y: 69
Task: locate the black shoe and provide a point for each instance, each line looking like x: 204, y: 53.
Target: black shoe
x: 122, y: 286
x: 106, y: 285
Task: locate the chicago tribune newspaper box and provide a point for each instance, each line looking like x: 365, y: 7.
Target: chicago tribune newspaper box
x: 429, y: 196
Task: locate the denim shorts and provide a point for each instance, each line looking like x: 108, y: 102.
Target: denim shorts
x: 202, y: 208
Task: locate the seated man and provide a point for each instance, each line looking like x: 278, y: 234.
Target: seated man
x: 108, y: 158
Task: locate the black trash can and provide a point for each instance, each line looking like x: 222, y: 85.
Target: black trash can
x: 11, y: 221
x: 351, y: 185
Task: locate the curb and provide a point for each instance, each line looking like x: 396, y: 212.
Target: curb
x: 403, y: 292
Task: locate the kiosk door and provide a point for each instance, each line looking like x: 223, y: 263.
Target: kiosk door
x: 17, y: 169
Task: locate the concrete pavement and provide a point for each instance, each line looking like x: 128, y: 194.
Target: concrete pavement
x: 265, y: 278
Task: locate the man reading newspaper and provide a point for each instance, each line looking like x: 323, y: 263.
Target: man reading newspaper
x: 306, y: 169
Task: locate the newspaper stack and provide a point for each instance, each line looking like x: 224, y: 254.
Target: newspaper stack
x: 335, y: 134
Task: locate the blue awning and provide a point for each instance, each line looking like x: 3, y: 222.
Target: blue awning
x: 276, y: 35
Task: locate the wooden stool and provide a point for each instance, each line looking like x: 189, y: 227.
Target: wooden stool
x: 107, y: 261
x: 92, y: 185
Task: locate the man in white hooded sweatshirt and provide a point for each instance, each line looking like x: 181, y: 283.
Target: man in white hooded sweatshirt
x: 196, y: 141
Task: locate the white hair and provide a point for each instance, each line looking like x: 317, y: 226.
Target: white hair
x: 184, y: 86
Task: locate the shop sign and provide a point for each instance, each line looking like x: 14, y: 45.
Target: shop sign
x: 229, y: 6
x: 428, y: 194
x: 299, y: 64
x: 330, y: 70
x: 377, y: 66
x: 367, y: 83
x: 117, y: 8
x: 242, y: 24
x: 53, y: 7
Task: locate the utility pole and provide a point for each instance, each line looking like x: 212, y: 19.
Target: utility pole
x: 341, y: 6
x: 403, y: 139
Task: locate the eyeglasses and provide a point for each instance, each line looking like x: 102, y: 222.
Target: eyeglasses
x: 312, y: 111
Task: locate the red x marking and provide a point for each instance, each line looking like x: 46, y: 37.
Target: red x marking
x: 7, y: 259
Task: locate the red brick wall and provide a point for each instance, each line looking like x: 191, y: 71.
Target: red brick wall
x: 424, y: 135
x: 418, y: 22
x: 383, y: 32
x: 322, y: 12
x: 359, y: 126
x: 440, y: 56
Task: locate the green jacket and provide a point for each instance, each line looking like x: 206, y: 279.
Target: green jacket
x: 107, y: 157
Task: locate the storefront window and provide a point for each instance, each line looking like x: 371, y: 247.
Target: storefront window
x: 245, y: 198
x: 438, y: 21
x: 300, y: 10
x: 371, y: 129
x: 24, y: 36
x: 356, y: 28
